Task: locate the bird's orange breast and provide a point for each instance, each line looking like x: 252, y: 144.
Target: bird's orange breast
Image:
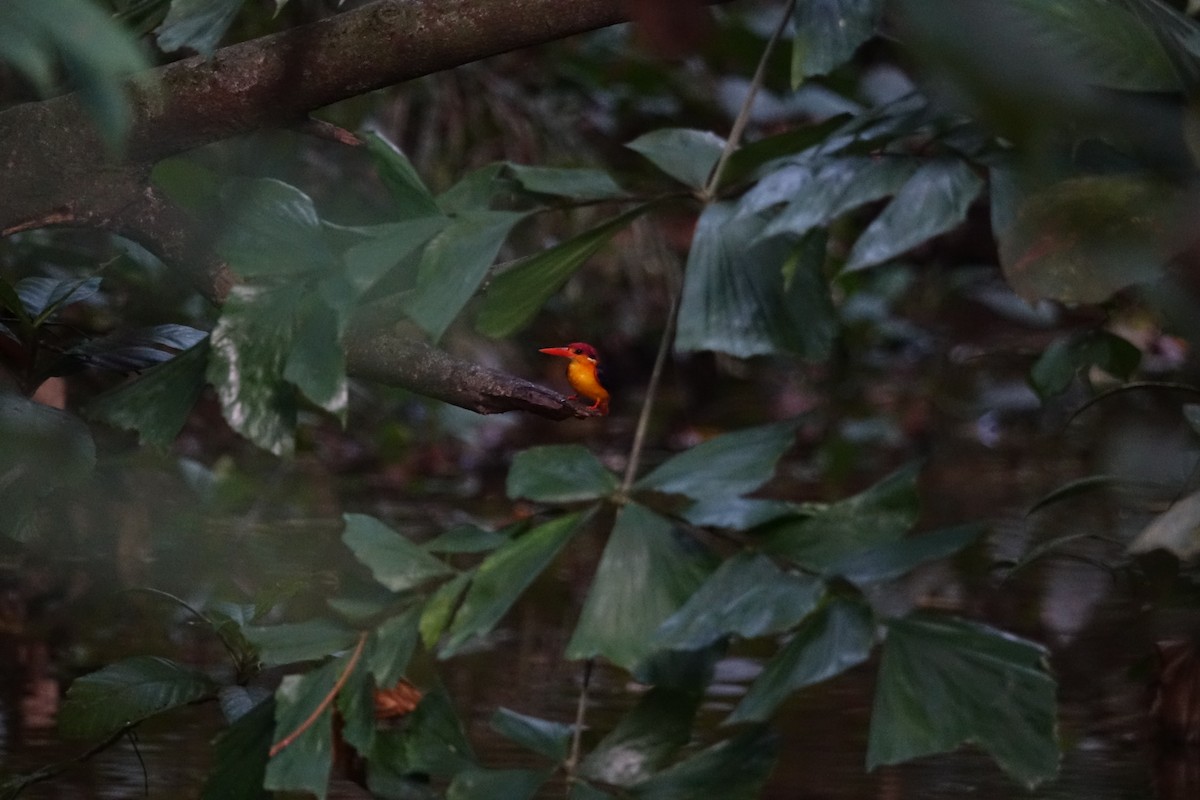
x: 582, y: 377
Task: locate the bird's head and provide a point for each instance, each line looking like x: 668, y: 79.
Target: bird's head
x: 576, y: 351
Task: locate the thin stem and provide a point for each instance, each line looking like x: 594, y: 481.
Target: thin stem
x: 643, y: 423
x: 580, y: 716
x: 286, y: 741
x: 743, y: 117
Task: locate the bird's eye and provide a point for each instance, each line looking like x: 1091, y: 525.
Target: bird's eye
x: 576, y: 351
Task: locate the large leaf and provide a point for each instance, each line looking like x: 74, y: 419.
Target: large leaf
x: 1176, y: 530
x: 241, y: 756
x: 272, y: 230
x: 490, y: 784
x: 645, y: 739
x: 574, y: 183
x: 411, y: 196
x: 1069, y: 356
x: 440, y: 607
x: 735, y: 769
x: 838, y: 636
x: 395, y: 562
x: 728, y: 465
x: 127, y: 692
x: 250, y: 347
x: 892, y: 559
x: 157, y: 403
x: 748, y: 596
x: 686, y: 155
x: 196, y: 24
x: 1082, y: 239
x: 137, y: 349
x: 316, y: 364
x: 502, y: 577
x: 946, y: 682
x: 298, y: 641
x: 304, y: 764
x: 389, y: 246
x: 932, y: 201
x: 37, y: 37
x: 432, y: 742
x: 516, y: 294
x: 44, y: 297
x: 831, y: 535
x: 453, y: 266
x: 542, y: 736
x: 746, y: 295
x: 647, y: 572
x: 828, y: 32
x: 559, y: 473
x: 390, y: 649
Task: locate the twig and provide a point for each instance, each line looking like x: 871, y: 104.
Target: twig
x: 580, y: 716
x: 288, y: 740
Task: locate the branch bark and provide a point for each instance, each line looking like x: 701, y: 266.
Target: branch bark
x: 57, y: 171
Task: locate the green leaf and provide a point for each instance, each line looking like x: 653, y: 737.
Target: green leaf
x: 394, y: 561
x: 574, y: 183
x: 44, y: 297
x: 466, y: 539
x: 559, y: 473
x: 1176, y: 530
x: 411, y: 196
x: 196, y: 25
x: 686, y: 155
x: 432, y: 741
x: 748, y: 596
x: 453, y: 266
x: 1082, y: 239
x: 542, y: 736
x: 934, y: 200
x: 250, y: 347
x: 491, y: 784
x: 828, y: 536
x: 728, y: 465
x: 737, y: 295
x: 356, y: 709
x: 646, y: 573
x: 389, y: 246
x: 392, y: 646
x: 316, y: 364
x: 132, y: 350
x: 837, y: 637
x: 946, y: 682
x: 272, y: 230
x: 735, y: 769
x: 828, y: 32
x: 101, y: 703
x: 503, y: 576
x: 645, y: 739
x: 1074, y: 488
x: 157, y: 403
x: 305, y: 764
x: 240, y: 762
x: 440, y: 608
x: 890, y: 560
x: 474, y: 192
x: 298, y: 641
x: 737, y: 513
x: 515, y: 295
x: 1068, y: 356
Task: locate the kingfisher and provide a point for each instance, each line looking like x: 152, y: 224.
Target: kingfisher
x: 583, y: 373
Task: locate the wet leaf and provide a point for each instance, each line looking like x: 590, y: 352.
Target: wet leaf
x: 298, y: 641
x: 574, y: 183
x: 272, y: 230
x: 1176, y: 530
x: 240, y: 762
x: 394, y: 561
x: 101, y: 703
x: 735, y: 769
x: 1085, y: 238
x: 738, y: 297
x: 645, y: 739
x: 837, y: 637
x: 517, y: 294
x: 891, y: 560
x: 390, y: 649
x: 157, y: 403
x: 646, y: 573
x: 412, y: 198
x: 560, y: 473
x: 503, y: 576
x: 305, y: 764
x: 542, y: 736
x: 932, y: 201
x: 196, y: 25
x: 688, y: 156
x: 728, y: 465
x: 748, y: 596
x: 827, y: 32
x: 945, y: 682
x: 489, y: 784
x: 454, y: 264
x: 830, y: 535
x: 1068, y: 356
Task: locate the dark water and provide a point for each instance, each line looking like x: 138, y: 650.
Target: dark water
x: 1080, y: 601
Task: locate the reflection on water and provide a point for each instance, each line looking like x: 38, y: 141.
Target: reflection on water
x: 1100, y: 634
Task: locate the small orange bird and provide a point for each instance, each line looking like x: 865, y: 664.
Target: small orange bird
x: 583, y: 373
